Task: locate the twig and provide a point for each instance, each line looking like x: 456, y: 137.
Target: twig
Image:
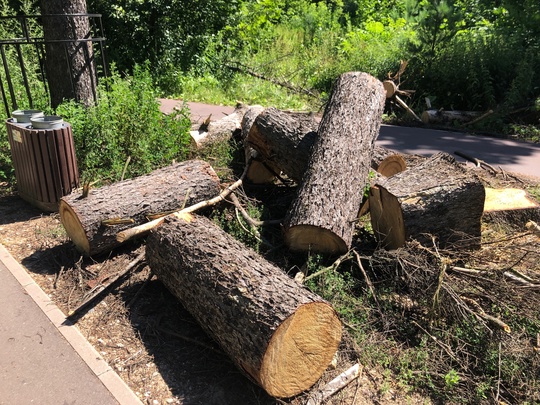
x: 125, y: 168
x: 510, y: 275
x: 335, y: 385
x: 533, y: 227
x: 487, y: 317
x: 480, y: 118
x: 499, y: 377
x: 333, y: 266
x: 477, y: 162
x: 248, y: 218
x: 368, y: 281
x: 102, y: 289
x: 404, y: 105
x: 143, y: 229
x: 444, y: 346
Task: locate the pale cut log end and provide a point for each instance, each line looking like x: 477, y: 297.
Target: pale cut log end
x: 390, y: 88
x: 391, y: 165
x: 300, y: 350
x: 74, y: 227
x: 313, y: 238
x: 386, y: 218
x: 507, y: 199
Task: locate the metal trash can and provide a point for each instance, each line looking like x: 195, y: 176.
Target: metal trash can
x: 44, y: 161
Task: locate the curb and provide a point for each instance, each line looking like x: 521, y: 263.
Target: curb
x: 97, y: 364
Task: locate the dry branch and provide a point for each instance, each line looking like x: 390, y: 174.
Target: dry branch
x: 338, y: 383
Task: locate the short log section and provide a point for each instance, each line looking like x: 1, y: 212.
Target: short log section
x: 438, y: 197
x: 323, y: 215
x: 276, y: 331
x: 284, y: 140
x: 221, y: 130
x: 93, y: 222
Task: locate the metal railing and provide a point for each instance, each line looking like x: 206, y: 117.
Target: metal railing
x: 28, y: 38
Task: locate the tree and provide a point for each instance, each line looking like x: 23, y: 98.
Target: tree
x: 68, y: 51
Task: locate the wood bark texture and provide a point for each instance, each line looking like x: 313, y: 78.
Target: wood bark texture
x: 70, y: 70
x: 438, y: 197
x: 322, y: 216
x: 220, y: 130
x: 284, y: 140
x: 93, y: 222
x: 258, y: 172
x: 275, y: 330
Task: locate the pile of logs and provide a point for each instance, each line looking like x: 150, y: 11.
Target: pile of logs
x: 275, y: 330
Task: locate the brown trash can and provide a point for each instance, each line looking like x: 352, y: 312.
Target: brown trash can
x: 45, y: 163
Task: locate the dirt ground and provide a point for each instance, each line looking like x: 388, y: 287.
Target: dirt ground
x: 141, y: 329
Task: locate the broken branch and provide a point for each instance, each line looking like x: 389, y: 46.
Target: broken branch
x: 335, y: 385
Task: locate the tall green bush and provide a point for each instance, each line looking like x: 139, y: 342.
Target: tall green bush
x: 126, y: 124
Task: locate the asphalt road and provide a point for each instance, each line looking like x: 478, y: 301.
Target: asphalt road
x: 511, y: 156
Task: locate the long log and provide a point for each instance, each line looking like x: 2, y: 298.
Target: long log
x: 93, y: 222
x: 279, y: 333
x: 438, y: 197
x: 322, y: 216
x: 448, y: 117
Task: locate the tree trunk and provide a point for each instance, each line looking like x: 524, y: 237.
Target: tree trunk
x: 322, y: 216
x: 276, y: 331
x: 514, y: 207
x: 438, y: 197
x: 257, y: 173
x: 93, y: 222
x: 220, y: 130
x: 69, y: 65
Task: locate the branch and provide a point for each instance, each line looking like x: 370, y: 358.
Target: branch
x: 335, y: 385
x: 143, y: 229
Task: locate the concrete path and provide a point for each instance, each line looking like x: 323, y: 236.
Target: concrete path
x: 511, y: 156
x: 43, y: 360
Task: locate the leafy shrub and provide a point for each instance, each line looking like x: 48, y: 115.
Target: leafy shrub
x: 126, y: 123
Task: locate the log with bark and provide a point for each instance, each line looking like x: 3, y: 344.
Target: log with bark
x: 93, y: 222
x: 279, y: 333
x: 322, y: 216
x: 284, y: 141
x: 258, y: 172
x: 438, y: 197
x: 220, y: 130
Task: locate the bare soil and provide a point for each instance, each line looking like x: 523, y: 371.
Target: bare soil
x: 154, y: 344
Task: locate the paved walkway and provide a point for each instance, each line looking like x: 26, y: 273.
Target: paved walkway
x: 511, y: 156
x: 42, y: 360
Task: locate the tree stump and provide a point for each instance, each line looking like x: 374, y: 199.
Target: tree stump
x: 93, y: 222
x: 322, y: 216
x: 276, y: 331
x: 438, y: 197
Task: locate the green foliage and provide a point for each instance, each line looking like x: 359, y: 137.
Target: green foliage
x: 126, y: 123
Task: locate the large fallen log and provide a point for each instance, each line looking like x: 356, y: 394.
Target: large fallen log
x: 276, y: 331
x: 322, y: 216
x: 512, y: 206
x: 93, y: 222
x: 438, y: 197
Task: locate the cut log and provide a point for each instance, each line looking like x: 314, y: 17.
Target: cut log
x: 220, y: 130
x: 279, y: 333
x: 322, y: 217
x: 512, y: 206
x: 438, y: 197
x: 444, y: 117
x: 257, y: 173
x: 390, y: 88
x: 93, y: 222
x: 284, y: 140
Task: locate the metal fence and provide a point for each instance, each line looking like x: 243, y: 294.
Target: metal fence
x: 27, y: 43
